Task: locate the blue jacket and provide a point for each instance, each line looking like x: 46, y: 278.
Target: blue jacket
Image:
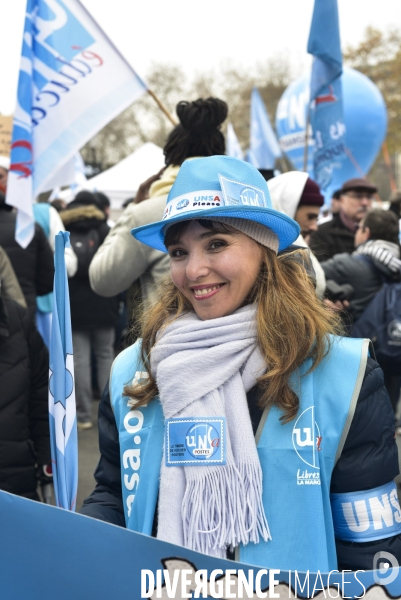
x: 369, y: 459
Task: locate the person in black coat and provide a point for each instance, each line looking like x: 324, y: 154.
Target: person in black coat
x: 337, y: 236
x: 24, y: 416
x: 376, y: 260
x: 93, y: 317
x: 33, y: 265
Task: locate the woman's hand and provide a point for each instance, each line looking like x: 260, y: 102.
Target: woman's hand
x: 143, y: 190
x: 337, y: 305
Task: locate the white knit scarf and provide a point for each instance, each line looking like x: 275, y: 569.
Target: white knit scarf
x: 204, y: 369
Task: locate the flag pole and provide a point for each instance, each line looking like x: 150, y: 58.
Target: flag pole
x: 387, y: 161
x: 306, y: 146
x: 162, y: 107
x: 354, y: 162
x: 283, y: 165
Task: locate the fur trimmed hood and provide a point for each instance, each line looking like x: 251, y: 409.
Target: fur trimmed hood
x: 82, y: 213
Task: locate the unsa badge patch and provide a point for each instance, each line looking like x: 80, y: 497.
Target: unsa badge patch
x: 193, y: 441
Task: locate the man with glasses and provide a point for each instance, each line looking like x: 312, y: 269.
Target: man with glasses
x: 337, y: 236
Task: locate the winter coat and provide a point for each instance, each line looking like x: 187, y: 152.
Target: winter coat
x: 332, y: 238
x: 89, y: 311
x: 369, y: 459
x: 24, y: 414
x: 9, y: 286
x: 33, y: 265
x: 366, y: 274
x: 122, y: 259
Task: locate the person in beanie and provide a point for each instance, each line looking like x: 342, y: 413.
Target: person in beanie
x: 299, y: 197
x: 241, y: 419
x: 337, y: 236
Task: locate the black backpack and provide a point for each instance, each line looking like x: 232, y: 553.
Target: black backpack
x: 381, y: 322
x: 85, y: 245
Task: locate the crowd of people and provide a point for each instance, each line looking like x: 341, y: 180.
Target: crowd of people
x: 244, y: 309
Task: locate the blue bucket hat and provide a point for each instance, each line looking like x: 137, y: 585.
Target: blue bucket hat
x: 219, y: 187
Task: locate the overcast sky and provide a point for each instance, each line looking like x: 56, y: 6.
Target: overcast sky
x: 199, y: 35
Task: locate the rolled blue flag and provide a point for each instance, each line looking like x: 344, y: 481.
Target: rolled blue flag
x: 264, y: 147
x: 326, y: 114
x: 62, y: 411
x: 233, y: 146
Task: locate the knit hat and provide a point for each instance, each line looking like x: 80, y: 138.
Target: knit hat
x: 222, y: 188
x: 311, y: 195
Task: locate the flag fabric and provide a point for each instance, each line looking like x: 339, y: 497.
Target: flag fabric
x: 326, y: 114
x: 233, y: 146
x: 62, y: 412
x: 264, y: 146
x: 72, y: 82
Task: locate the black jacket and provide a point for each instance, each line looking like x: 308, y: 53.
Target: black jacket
x: 365, y: 273
x: 89, y: 311
x: 331, y: 238
x: 24, y: 414
x: 34, y: 265
x: 369, y: 459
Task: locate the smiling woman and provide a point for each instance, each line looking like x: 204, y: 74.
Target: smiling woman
x: 247, y: 401
x: 213, y: 266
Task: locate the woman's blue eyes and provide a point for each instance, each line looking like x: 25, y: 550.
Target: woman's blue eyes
x: 214, y: 245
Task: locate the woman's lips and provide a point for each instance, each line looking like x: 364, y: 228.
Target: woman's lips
x: 204, y: 292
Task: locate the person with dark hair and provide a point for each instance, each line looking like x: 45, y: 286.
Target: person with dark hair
x: 104, y: 202
x: 59, y: 204
x: 242, y: 419
x: 197, y: 134
x: 376, y: 259
x: 337, y: 235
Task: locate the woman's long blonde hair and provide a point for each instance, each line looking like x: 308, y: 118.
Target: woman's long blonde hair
x: 292, y: 325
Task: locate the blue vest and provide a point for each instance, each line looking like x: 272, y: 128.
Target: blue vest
x: 297, y: 458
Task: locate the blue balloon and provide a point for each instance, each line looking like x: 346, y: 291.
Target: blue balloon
x: 365, y: 118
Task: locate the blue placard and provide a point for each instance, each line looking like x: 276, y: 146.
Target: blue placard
x: 192, y: 441
x: 48, y: 553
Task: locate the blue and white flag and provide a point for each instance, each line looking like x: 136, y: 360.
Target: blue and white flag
x: 72, y: 82
x: 264, y: 146
x: 233, y: 146
x: 62, y: 417
x: 326, y: 116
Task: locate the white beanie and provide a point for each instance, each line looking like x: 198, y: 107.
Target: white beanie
x: 256, y: 231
